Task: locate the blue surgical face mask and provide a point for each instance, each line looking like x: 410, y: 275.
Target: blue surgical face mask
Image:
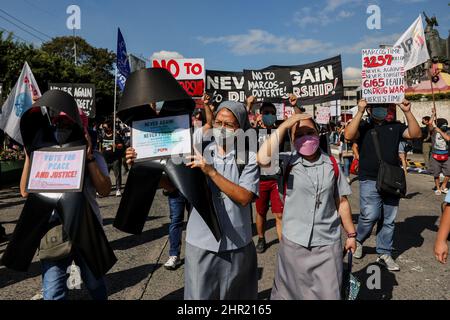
x: 269, y: 119
x: 379, y: 113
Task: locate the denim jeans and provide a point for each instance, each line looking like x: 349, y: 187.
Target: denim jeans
x: 373, y: 208
x: 55, y: 276
x: 177, y: 203
x: 347, y: 162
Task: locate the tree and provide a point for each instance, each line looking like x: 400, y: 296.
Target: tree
x: 53, y: 62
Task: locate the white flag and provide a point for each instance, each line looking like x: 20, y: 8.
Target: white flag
x: 22, y: 96
x: 414, y: 44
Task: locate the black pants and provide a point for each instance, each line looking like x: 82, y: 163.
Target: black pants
x: 116, y: 166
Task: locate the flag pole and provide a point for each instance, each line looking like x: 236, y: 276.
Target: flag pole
x: 114, y: 114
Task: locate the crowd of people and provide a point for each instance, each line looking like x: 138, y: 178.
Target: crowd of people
x: 293, y: 173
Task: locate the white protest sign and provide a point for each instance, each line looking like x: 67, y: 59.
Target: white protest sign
x: 56, y: 170
x: 162, y: 137
x: 383, y: 75
x: 190, y: 73
x: 323, y: 115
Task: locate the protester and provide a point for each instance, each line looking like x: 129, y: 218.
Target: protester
x: 226, y: 269
x: 54, y: 270
x: 269, y: 178
x: 177, y: 205
x: 426, y: 140
x: 441, y: 245
x: 402, y: 151
x: 346, y: 155
x: 372, y: 203
x: 439, y: 160
x: 310, y: 264
x: 112, y: 152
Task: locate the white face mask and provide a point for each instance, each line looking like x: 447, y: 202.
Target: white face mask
x: 221, y: 134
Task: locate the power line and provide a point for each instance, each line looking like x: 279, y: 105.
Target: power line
x: 25, y: 30
x: 32, y: 28
x: 40, y: 9
x: 14, y: 35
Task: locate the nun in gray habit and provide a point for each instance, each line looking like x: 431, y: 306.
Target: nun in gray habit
x: 224, y: 269
x: 310, y: 260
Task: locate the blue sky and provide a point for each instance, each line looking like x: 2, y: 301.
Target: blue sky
x: 232, y: 34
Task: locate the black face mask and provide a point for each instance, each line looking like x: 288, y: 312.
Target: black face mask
x: 62, y: 135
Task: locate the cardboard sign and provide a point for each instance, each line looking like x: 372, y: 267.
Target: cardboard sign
x: 316, y: 82
x: 162, y: 137
x: 283, y: 111
x: 268, y: 85
x: 323, y: 115
x: 225, y: 86
x: 190, y: 73
x: 57, y: 170
x: 383, y: 75
x: 84, y: 94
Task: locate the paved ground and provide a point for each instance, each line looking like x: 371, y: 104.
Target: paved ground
x: 139, y: 274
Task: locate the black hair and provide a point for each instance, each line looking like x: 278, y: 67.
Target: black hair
x: 267, y: 105
x: 426, y: 118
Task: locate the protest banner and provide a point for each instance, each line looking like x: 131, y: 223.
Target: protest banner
x: 57, y: 170
x: 323, y: 115
x: 383, y: 75
x: 84, y: 94
x: 225, y: 86
x: 316, y: 82
x: 268, y: 85
x: 162, y: 137
x: 190, y: 73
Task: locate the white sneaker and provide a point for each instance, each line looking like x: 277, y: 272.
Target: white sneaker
x: 172, y: 263
x: 118, y: 193
x: 437, y: 192
x: 359, y: 251
x: 445, y: 190
x: 388, y: 262
x: 38, y: 296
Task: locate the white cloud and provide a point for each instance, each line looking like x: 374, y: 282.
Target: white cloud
x: 324, y: 15
x: 166, y: 55
x: 369, y: 42
x: 351, y: 73
x: 258, y: 41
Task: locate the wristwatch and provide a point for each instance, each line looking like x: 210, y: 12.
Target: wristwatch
x: 352, y: 235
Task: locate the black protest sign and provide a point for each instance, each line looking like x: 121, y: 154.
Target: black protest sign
x: 225, y: 86
x: 316, y: 82
x: 272, y: 85
x: 84, y: 94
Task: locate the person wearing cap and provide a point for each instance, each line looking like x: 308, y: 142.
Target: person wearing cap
x: 55, y: 269
x: 309, y: 264
x: 372, y: 203
x: 225, y: 269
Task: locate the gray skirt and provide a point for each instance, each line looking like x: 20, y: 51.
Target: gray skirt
x: 308, y: 273
x: 230, y: 275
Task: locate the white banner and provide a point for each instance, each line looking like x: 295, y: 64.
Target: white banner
x: 323, y: 115
x: 414, y: 45
x: 22, y: 96
x: 383, y: 75
x: 182, y: 69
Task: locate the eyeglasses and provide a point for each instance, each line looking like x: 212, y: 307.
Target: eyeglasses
x: 228, y: 125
